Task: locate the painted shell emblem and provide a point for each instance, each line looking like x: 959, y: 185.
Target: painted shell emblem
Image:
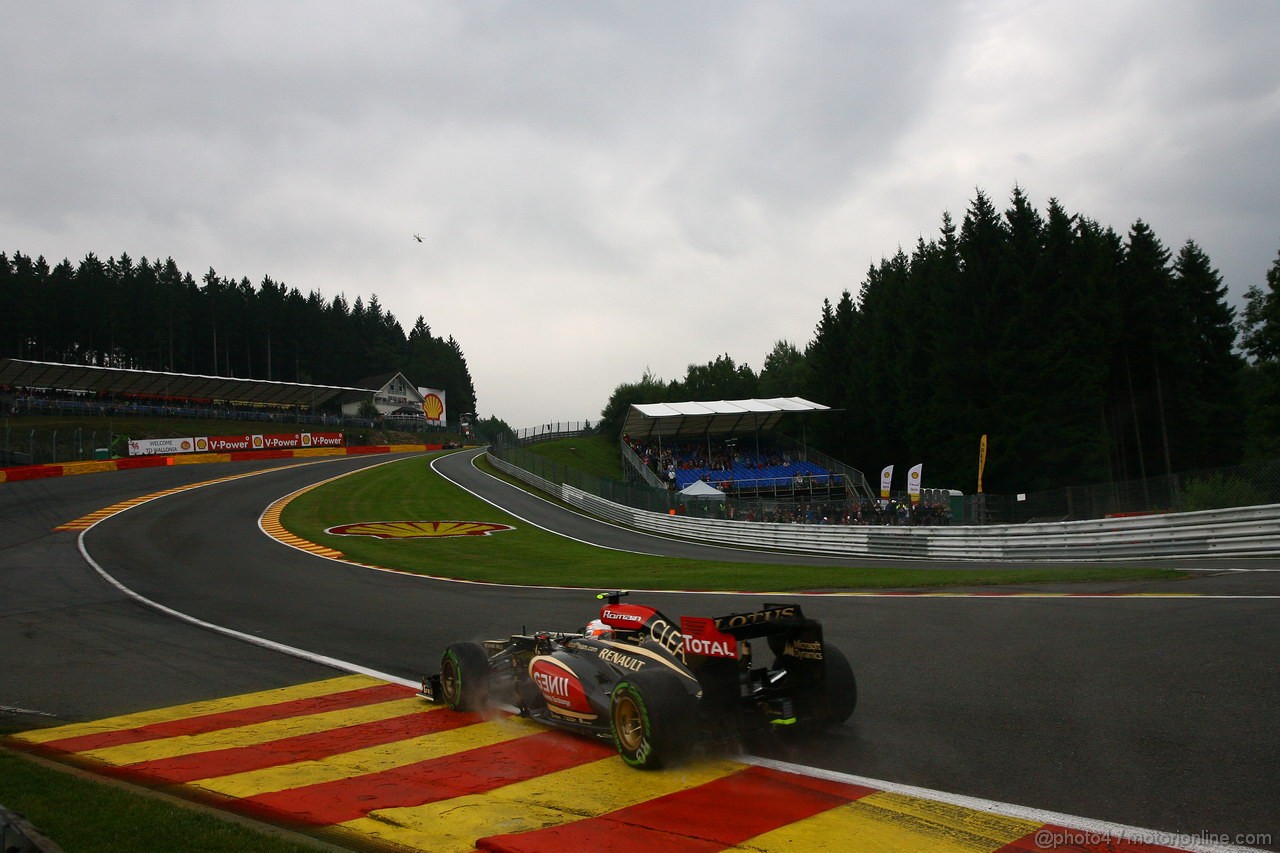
x: 432, y: 407
x: 418, y: 529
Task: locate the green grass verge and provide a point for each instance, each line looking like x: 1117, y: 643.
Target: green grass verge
x: 80, y: 814
x: 596, y: 455
x: 408, y: 490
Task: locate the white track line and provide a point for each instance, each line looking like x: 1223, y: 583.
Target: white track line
x: 239, y: 635
x: 1104, y: 830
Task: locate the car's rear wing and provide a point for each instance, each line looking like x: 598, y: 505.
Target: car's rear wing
x: 710, y: 636
x: 718, y: 636
x: 771, y: 619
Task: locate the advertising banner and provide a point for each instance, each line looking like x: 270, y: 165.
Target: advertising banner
x: 223, y: 443
x: 913, y: 482
x: 156, y: 446
x: 267, y: 441
x: 234, y: 443
x: 433, y: 406
x: 322, y: 439
x: 982, y: 460
x: 279, y: 441
x: 886, y: 478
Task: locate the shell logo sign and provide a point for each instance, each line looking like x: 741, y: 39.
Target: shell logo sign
x: 433, y: 406
x: 418, y: 529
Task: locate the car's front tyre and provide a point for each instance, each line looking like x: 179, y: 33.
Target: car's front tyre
x: 464, y: 677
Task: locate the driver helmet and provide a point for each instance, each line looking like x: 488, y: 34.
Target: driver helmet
x: 596, y: 628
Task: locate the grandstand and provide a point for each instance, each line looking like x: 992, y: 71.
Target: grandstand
x: 732, y: 445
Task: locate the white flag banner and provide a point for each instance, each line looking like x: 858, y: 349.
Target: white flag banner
x: 913, y: 482
x: 886, y: 478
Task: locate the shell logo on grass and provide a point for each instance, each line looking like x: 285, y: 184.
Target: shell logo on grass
x: 418, y: 529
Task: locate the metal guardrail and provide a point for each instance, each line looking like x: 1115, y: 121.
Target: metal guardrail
x: 17, y: 835
x: 551, y: 431
x: 1238, y: 532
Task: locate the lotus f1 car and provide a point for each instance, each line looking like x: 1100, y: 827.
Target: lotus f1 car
x: 653, y: 686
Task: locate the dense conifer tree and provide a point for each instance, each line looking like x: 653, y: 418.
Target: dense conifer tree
x: 1083, y: 357
x: 152, y: 316
x: 785, y: 372
x: 1260, y: 339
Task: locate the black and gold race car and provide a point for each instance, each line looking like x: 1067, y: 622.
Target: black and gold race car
x: 655, y: 686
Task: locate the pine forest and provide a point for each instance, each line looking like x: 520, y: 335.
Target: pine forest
x: 1085, y: 356
x: 153, y: 316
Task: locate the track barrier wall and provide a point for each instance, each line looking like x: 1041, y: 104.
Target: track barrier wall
x: 1238, y: 532
x: 68, y: 469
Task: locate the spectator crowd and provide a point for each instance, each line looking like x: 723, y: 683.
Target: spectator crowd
x: 771, y: 484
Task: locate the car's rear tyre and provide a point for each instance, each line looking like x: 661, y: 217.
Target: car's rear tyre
x: 650, y: 716
x: 464, y: 677
x: 839, y: 685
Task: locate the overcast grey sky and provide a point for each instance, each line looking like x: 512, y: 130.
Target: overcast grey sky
x: 605, y: 187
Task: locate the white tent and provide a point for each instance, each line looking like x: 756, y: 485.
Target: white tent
x: 702, y: 490
x: 646, y: 420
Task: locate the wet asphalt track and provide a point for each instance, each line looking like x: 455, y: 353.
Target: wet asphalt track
x: 1153, y: 712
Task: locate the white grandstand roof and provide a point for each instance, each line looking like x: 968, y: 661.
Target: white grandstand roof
x: 646, y: 420
x: 19, y: 373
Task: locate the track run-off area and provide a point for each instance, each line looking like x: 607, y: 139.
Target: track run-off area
x: 1105, y: 718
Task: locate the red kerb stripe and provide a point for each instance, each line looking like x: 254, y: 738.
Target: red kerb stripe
x: 472, y: 772
x: 710, y: 817
x: 232, y: 719
x: 308, y: 747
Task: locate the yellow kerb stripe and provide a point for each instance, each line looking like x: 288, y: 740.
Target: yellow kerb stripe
x: 553, y: 800
x: 195, y: 709
x: 255, y: 733
x: 888, y: 823
x: 373, y: 759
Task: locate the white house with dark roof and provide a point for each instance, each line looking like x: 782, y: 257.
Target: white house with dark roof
x: 392, y: 395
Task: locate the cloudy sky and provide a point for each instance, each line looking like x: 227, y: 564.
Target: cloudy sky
x: 603, y: 187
